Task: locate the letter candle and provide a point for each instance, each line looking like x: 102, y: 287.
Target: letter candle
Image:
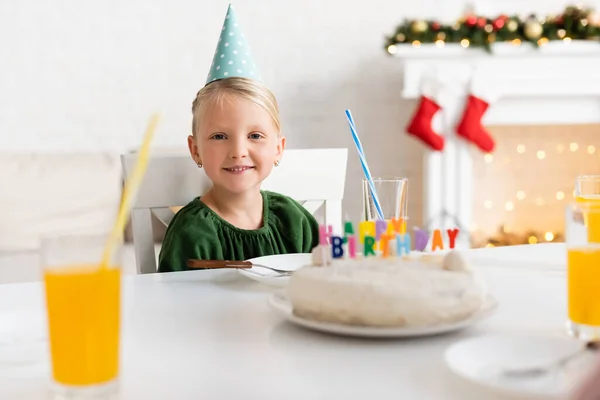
x: 437, y: 242
x: 380, y: 228
x: 337, y: 251
x: 365, y: 228
x: 452, y: 234
x: 325, y: 232
x: 350, y: 239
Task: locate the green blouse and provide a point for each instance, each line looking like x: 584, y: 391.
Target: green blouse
x: 197, y: 232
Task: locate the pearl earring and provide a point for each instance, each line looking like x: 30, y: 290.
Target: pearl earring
x: 199, y: 164
x: 276, y: 163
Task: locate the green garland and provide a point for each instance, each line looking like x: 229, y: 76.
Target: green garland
x: 574, y: 23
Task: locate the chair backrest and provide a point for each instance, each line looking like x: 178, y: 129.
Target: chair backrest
x: 313, y: 177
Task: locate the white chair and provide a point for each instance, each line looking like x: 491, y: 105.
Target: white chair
x: 313, y: 177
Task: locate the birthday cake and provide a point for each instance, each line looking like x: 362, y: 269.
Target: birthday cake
x: 415, y: 289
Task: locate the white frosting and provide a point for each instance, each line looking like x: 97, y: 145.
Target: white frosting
x: 388, y: 292
x: 455, y: 261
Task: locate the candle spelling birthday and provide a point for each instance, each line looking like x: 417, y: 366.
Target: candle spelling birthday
x: 383, y: 238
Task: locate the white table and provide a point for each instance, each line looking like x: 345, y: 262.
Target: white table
x: 211, y: 335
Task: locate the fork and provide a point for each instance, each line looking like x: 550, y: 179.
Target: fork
x: 537, y: 371
x: 214, y: 264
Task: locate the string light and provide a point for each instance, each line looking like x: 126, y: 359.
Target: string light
x: 505, y: 236
x: 484, y: 32
x: 591, y: 149
x: 573, y: 146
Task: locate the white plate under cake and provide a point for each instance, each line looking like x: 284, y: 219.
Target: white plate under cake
x: 282, y: 305
x: 396, y: 292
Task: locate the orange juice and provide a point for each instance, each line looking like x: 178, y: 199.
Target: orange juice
x: 83, y: 318
x: 583, y: 277
x: 592, y: 219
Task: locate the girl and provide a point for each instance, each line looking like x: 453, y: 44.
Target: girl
x: 236, y: 139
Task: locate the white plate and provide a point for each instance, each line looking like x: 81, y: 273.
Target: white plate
x: 288, y: 262
x: 480, y: 359
x: 281, y: 303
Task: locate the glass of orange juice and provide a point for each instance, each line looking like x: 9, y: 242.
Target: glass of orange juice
x: 587, y: 190
x: 83, y: 310
x: 583, y: 271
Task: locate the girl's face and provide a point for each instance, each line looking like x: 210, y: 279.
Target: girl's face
x: 237, y: 144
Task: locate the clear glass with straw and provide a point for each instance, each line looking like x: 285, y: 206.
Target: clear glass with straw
x: 392, y: 194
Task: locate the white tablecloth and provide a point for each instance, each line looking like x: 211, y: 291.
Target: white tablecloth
x: 211, y: 335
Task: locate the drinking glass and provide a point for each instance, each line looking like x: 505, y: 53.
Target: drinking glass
x: 83, y: 310
x: 583, y: 270
x: 392, y: 194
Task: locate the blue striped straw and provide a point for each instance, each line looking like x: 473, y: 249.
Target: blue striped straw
x: 363, y: 162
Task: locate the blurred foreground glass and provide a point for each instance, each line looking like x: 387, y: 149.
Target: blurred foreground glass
x: 583, y: 270
x: 587, y: 190
x: 83, y: 307
x: 392, y: 194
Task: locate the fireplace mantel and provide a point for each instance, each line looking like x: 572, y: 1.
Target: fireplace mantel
x: 558, y: 83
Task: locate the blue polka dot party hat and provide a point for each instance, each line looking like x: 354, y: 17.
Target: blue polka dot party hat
x: 233, y: 56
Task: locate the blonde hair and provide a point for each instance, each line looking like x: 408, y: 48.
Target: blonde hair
x: 216, y: 93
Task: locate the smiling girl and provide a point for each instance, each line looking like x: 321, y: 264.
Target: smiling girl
x: 236, y: 139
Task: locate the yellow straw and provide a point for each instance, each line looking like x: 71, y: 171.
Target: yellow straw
x: 131, y: 187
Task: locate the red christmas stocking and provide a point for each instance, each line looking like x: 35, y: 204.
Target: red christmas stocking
x: 470, y: 127
x: 432, y: 99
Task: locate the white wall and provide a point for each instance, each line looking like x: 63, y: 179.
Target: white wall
x: 87, y: 75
